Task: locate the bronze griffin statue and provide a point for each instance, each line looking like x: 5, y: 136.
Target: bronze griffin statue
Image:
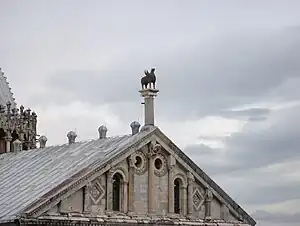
x: 148, y: 79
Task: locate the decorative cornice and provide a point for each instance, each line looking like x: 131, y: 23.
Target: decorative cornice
x: 124, y: 221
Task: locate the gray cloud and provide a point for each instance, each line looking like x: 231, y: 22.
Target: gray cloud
x: 250, y: 114
x: 269, y: 194
x: 257, y: 146
x: 265, y: 216
x: 206, y: 79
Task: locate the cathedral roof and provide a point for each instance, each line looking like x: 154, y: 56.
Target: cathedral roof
x: 5, y: 91
x: 29, y: 178
x: 26, y: 176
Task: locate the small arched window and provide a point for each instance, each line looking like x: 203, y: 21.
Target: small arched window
x: 177, y: 195
x: 117, y: 179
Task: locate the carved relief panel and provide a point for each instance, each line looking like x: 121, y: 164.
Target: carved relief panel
x: 96, y: 192
x: 198, y: 200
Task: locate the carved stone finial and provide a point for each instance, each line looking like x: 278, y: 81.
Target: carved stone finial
x: 102, y: 131
x: 71, y: 137
x: 43, y: 140
x: 17, y: 145
x: 135, y: 127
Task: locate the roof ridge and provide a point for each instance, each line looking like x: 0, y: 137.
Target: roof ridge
x: 84, y: 141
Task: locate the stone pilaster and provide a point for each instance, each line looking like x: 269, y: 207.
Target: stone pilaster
x: 209, y: 197
x: 183, y: 200
x: 86, y: 201
x: 109, y: 191
x: 130, y: 186
x: 171, y: 189
x: 151, y: 184
x: 190, y: 194
x: 125, y: 196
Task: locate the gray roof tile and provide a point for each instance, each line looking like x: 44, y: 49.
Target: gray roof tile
x: 27, y: 175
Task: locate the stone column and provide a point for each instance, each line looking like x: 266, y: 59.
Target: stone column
x: 151, y: 185
x: 149, y: 95
x: 130, y: 186
x: 109, y: 191
x: 125, y: 196
x: 171, y: 189
x: 183, y: 200
x: 209, y: 197
x: 190, y: 194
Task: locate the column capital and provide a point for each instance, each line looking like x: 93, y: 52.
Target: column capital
x: 171, y: 168
x: 209, y: 195
x: 190, y: 177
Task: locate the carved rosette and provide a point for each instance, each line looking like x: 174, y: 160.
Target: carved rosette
x: 160, y: 165
x: 139, y: 163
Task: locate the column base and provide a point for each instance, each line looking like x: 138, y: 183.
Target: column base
x: 109, y: 212
x: 131, y: 213
x: 190, y: 216
x: 173, y: 215
x: 208, y: 218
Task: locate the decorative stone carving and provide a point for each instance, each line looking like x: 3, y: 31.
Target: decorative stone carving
x: 18, y: 124
x: 71, y: 137
x: 198, y: 199
x: 209, y: 197
x: 42, y: 141
x: 139, y: 162
x: 96, y: 191
x: 135, y: 127
x: 102, y: 130
x: 17, y: 145
x: 160, y: 165
x: 149, y: 78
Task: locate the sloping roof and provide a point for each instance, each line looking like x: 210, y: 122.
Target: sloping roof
x: 5, y: 92
x: 27, y: 175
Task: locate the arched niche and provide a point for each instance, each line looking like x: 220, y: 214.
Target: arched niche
x: 117, y: 191
x: 179, y: 186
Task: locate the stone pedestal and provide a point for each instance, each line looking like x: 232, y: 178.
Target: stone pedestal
x: 148, y: 95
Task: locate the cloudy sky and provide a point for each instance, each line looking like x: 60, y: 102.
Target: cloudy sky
x: 228, y: 75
